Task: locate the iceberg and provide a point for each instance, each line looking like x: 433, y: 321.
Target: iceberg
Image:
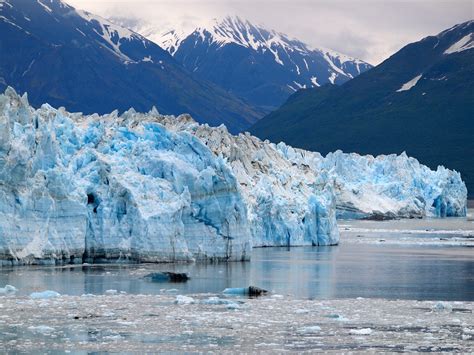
x: 77, y: 189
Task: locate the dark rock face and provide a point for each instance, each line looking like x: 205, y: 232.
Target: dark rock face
x: 167, y: 277
x: 254, y: 291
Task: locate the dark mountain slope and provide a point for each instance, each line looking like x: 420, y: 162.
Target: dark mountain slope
x: 420, y: 100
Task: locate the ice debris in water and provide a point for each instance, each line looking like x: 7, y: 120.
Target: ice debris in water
x: 180, y: 299
x: 248, y: 291
x: 45, y: 294
x: 310, y: 329
x: 442, y: 307
x: 8, y: 290
x: 41, y: 329
x: 230, y: 304
x: 363, y: 331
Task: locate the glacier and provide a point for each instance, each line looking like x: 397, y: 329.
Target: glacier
x: 146, y: 187
x: 288, y: 204
x: 77, y: 188
x: 360, y: 186
x: 386, y: 186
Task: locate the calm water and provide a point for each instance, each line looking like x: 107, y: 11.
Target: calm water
x: 346, y: 271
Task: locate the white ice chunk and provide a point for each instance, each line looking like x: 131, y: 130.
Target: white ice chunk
x: 45, y: 294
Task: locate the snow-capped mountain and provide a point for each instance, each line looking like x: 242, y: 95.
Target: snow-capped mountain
x: 72, y: 58
x: 262, y: 66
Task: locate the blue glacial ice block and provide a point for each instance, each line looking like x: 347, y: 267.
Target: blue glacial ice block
x: 95, y: 188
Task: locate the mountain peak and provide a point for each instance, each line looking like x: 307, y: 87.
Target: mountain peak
x: 261, y: 65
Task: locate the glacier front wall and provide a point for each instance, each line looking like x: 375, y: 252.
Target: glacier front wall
x: 75, y: 189
x: 154, y: 188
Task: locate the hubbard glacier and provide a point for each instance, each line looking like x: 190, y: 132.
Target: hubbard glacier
x: 155, y: 188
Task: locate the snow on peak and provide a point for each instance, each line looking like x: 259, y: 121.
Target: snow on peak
x: 114, y: 35
x: 232, y: 29
x: 465, y: 43
x: 408, y: 85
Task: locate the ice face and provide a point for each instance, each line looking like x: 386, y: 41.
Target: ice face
x: 154, y: 188
x: 288, y: 204
x: 87, y: 188
x: 386, y: 186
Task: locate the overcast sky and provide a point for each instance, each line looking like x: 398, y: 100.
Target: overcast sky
x: 371, y: 30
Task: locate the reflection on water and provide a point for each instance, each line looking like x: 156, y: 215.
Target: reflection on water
x: 346, y: 271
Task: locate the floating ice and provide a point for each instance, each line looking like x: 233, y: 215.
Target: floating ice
x: 45, y: 295
x: 236, y: 291
x: 8, y: 290
x: 310, y: 329
x: 41, y: 329
x: 363, y: 331
x: 180, y: 299
x: 442, y: 307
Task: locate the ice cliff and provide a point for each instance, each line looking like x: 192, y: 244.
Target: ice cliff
x: 288, y: 203
x: 382, y: 187
x: 148, y: 187
x: 79, y: 188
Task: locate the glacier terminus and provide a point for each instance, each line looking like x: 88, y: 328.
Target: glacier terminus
x: 152, y: 188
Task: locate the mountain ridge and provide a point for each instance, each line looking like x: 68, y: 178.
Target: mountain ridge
x: 264, y: 67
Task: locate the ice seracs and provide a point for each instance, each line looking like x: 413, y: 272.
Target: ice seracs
x: 386, y: 186
x: 96, y: 188
x: 154, y: 188
x: 288, y: 204
x: 284, y: 182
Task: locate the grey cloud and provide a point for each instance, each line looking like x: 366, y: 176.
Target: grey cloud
x: 367, y: 29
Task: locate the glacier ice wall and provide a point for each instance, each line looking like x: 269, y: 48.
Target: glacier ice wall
x: 287, y: 204
x: 148, y: 187
x: 386, y: 186
x: 89, y: 188
x: 382, y: 187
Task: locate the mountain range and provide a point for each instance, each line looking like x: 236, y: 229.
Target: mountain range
x: 72, y: 58
x: 420, y: 100
x: 262, y: 66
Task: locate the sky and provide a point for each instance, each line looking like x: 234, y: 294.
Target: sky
x: 370, y: 30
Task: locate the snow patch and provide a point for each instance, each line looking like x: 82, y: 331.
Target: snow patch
x: 410, y: 84
x: 463, y: 44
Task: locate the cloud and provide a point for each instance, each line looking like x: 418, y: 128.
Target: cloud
x: 371, y: 30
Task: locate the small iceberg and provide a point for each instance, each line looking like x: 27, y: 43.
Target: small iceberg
x: 167, y: 277
x: 180, y: 299
x: 45, y: 295
x: 251, y: 291
x: 8, y: 290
